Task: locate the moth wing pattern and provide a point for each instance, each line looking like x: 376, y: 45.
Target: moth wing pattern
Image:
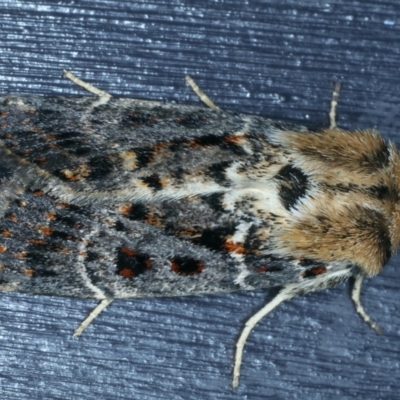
x: 118, y: 198
x: 133, y: 198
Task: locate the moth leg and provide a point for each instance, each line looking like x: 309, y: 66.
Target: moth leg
x: 355, y: 295
x: 285, y: 294
x: 202, y: 96
x: 94, y: 313
x: 87, y: 86
x: 334, y: 102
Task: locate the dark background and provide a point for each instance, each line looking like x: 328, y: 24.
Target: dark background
x: 276, y: 58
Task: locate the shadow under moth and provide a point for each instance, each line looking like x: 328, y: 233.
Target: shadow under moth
x: 112, y: 198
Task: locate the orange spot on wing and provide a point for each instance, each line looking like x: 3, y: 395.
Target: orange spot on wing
x: 51, y: 215
x: 12, y: 217
x: 129, y: 252
x: 38, y: 242
x: 126, y: 273
x: 237, y: 139
x: 47, y: 231
x: 125, y: 208
x: 231, y: 247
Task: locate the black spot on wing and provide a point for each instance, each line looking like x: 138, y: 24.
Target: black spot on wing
x: 225, y: 142
x: 136, y: 212
x: 92, y: 256
x: 144, y: 156
x: 208, y: 140
x: 293, y: 185
x: 186, y: 266
x: 81, y: 150
x: 44, y: 273
x: 99, y: 168
x: 131, y: 263
x: 214, y: 238
x: 120, y: 227
x: 217, y: 172
x: 153, y: 181
x: 214, y: 201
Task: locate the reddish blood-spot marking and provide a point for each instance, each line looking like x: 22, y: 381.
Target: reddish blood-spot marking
x: 3, y: 249
x: 29, y: 272
x: 126, y: 250
x: 310, y: 273
x: 237, y: 248
x: 130, y: 263
x: 186, y: 266
x: 6, y: 233
x: 126, y: 273
x: 236, y: 139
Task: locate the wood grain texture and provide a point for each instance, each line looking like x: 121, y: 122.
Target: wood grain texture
x: 273, y: 58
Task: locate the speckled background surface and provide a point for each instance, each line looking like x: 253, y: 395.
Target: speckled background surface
x: 275, y: 58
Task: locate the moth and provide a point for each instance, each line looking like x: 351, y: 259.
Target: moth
x: 110, y: 198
